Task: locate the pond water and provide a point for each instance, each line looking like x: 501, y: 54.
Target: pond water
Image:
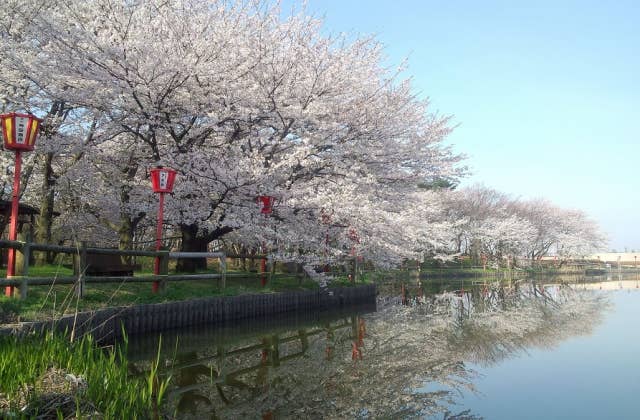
x: 512, y: 351
x: 592, y: 375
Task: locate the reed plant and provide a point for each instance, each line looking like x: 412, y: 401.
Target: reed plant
x: 48, y: 376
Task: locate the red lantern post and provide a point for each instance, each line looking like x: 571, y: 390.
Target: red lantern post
x: 162, y: 180
x: 19, y: 132
x: 353, y: 236
x: 266, y: 204
x: 266, y: 208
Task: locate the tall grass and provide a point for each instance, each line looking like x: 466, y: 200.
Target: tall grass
x: 108, y: 388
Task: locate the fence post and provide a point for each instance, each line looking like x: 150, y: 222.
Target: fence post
x: 23, y: 270
x: 263, y: 270
x: 354, y: 275
x: 164, y: 269
x: 272, y: 268
x: 82, y: 268
x: 223, y: 270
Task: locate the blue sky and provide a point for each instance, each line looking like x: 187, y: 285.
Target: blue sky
x: 547, y: 93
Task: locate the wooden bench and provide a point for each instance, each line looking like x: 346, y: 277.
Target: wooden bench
x: 105, y: 265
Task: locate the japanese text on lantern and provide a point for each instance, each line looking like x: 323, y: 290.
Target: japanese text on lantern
x: 164, y: 179
x: 21, y: 130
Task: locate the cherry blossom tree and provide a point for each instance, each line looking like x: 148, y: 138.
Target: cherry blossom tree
x: 492, y: 224
x: 244, y: 102
x: 565, y: 232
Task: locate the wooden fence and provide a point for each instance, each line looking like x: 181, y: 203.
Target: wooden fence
x: 84, y: 256
x: 23, y: 281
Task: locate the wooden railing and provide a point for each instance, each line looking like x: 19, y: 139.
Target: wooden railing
x: 23, y: 280
x: 84, y: 256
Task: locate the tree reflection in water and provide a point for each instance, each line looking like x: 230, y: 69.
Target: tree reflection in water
x: 402, y: 361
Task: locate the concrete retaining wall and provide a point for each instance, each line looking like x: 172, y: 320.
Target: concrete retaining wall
x: 106, y: 325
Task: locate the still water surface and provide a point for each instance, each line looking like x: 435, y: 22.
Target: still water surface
x: 521, y: 351
x: 590, y: 376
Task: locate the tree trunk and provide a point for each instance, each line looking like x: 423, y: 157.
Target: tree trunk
x: 45, y: 218
x: 476, y: 252
x: 125, y: 237
x: 192, y: 243
x: 128, y: 223
x: 59, y: 112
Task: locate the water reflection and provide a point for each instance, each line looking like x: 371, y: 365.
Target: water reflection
x: 407, y: 359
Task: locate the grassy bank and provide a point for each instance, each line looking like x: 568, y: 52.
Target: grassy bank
x: 50, y: 302
x: 50, y: 377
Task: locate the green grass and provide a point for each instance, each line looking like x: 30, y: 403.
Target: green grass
x: 45, y: 271
x: 47, y: 302
x: 35, y: 372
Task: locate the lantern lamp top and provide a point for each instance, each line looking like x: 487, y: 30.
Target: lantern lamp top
x: 325, y: 216
x: 353, y: 235
x: 266, y: 204
x: 19, y: 131
x: 162, y: 179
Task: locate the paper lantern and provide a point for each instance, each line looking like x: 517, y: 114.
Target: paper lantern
x: 20, y: 131
x: 162, y: 179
